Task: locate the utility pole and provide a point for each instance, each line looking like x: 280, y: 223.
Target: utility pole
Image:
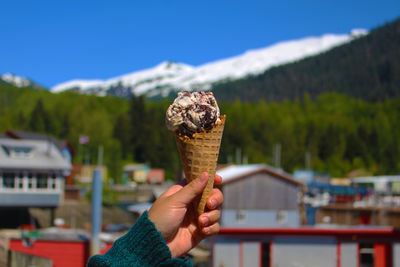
x: 100, y: 156
x: 238, y: 156
x: 308, y: 160
x: 277, y: 155
x: 96, y: 212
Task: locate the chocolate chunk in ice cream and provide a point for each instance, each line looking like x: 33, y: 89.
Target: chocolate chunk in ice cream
x: 192, y: 113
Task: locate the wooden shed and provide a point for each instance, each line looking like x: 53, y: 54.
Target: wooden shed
x: 258, y: 195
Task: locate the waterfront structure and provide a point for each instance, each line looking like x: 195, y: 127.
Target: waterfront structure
x: 31, y: 173
x: 306, y: 246
x: 65, y: 147
x: 257, y: 195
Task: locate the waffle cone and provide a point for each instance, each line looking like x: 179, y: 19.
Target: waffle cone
x: 199, y: 154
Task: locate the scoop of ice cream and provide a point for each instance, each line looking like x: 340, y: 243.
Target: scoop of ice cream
x: 192, y: 112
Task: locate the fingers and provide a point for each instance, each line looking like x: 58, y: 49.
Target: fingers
x: 215, y: 200
x: 211, y: 230
x: 217, y: 179
x: 209, y: 218
x: 209, y: 222
x: 188, y: 193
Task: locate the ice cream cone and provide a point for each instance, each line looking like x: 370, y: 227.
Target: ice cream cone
x: 199, y: 154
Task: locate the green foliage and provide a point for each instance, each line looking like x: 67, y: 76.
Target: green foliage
x: 108, y: 195
x: 341, y: 133
x: 366, y: 68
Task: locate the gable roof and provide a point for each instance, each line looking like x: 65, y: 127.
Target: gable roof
x: 38, y: 136
x: 236, y: 172
x: 42, y: 155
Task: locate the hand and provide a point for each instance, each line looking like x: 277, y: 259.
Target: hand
x: 174, y: 215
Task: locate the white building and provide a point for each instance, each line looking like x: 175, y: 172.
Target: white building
x: 31, y: 173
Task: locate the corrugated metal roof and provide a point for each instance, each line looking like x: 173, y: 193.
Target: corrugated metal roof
x: 236, y: 171
x: 374, y: 179
x: 43, y: 155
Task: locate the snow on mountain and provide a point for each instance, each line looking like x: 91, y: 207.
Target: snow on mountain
x: 16, y: 80
x: 171, y: 76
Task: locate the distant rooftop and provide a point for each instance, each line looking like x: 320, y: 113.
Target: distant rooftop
x: 31, y: 154
x: 373, y: 179
x: 233, y: 172
x: 15, y: 134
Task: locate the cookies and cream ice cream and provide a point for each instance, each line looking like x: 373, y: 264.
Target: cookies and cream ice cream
x: 192, y: 112
x: 198, y: 126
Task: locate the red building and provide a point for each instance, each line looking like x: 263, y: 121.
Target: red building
x: 64, y: 252
x: 336, y: 247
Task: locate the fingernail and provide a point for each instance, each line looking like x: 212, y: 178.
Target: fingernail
x: 204, y: 220
x: 203, y: 178
x: 206, y: 230
x: 213, y: 203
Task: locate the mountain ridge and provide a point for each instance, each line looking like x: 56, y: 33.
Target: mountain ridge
x: 169, y: 77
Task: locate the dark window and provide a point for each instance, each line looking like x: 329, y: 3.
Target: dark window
x: 30, y: 182
x: 41, y: 179
x: 265, y: 254
x: 8, y: 179
x: 366, y: 255
x: 21, y: 181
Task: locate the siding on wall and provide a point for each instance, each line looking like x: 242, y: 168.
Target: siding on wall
x: 259, y: 218
x: 63, y: 254
x: 261, y: 191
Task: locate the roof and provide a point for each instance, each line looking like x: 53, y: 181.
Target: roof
x: 351, y: 232
x: 375, y: 179
x: 235, y: 172
x: 38, y: 136
x: 42, y: 155
x: 135, y: 167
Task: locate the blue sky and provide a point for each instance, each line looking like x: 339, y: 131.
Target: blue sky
x: 55, y: 41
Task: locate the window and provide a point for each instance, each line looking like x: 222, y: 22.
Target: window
x: 20, y: 181
x: 241, y: 216
x: 8, y: 180
x: 41, y: 180
x: 22, y: 152
x: 30, y: 180
x: 282, y: 217
x: 366, y: 255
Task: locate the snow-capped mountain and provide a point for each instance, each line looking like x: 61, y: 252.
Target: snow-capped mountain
x: 18, y: 81
x: 171, y: 76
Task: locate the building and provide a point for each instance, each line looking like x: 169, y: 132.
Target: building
x: 136, y: 173
x: 307, y: 176
x: 306, y: 246
x: 371, y: 201
x: 83, y: 173
x: 66, y: 149
x: 156, y: 176
x: 62, y: 247
x: 385, y: 185
x: 260, y: 196
x: 32, y: 174
x: 142, y: 173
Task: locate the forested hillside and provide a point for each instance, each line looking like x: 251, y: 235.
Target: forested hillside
x: 367, y: 68
x: 341, y: 133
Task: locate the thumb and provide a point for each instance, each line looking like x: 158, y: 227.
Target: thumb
x: 189, y: 192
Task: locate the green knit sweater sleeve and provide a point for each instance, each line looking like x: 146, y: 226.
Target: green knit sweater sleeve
x: 143, y: 245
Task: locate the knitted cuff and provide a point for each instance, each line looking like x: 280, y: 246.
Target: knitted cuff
x: 145, y: 241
